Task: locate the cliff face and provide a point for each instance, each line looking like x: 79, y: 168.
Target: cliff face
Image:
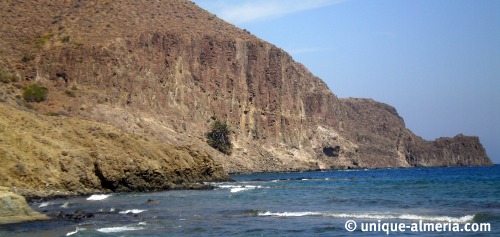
x: 165, y: 69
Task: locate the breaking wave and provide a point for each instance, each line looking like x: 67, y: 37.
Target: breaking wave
x: 98, y: 197
x: 240, y: 188
x: 46, y: 204
x: 119, y: 229
x: 412, y: 217
x: 133, y: 211
x: 74, y: 232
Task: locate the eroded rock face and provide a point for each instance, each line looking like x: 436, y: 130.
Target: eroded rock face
x: 165, y: 69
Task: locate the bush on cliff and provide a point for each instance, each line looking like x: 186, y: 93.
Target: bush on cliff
x: 218, y: 137
x: 35, y: 93
x: 6, y: 77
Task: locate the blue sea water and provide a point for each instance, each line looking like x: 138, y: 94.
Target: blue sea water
x: 290, y: 204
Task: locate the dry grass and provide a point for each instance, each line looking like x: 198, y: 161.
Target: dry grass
x: 55, y: 153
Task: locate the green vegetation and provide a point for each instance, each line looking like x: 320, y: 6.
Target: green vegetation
x: 6, y: 77
x: 52, y: 114
x: 26, y: 58
x: 65, y: 39
x: 70, y: 93
x: 35, y: 93
x: 218, y: 137
x: 40, y: 41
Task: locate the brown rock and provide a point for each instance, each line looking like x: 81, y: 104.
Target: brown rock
x: 14, y: 208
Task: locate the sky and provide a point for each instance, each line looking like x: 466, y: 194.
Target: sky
x: 436, y: 61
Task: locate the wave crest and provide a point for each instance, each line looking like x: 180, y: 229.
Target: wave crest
x: 119, y: 229
x: 133, y: 211
x: 463, y: 219
x: 98, y: 197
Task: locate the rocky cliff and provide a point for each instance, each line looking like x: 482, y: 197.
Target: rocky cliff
x: 382, y: 140
x: 165, y: 69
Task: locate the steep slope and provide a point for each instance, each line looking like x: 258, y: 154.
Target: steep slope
x: 53, y: 155
x: 165, y: 69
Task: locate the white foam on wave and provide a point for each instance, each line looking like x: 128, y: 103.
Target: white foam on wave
x: 412, y: 217
x: 74, y: 232
x: 65, y: 205
x: 239, y: 188
x: 134, y: 211
x: 46, y: 204
x: 119, y: 229
x: 462, y: 219
x: 98, y: 197
x: 290, y: 214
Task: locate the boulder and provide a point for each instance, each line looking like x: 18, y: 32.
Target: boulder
x: 14, y: 208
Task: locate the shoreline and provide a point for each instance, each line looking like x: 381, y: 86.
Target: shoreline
x: 204, y: 186
x: 356, y: 169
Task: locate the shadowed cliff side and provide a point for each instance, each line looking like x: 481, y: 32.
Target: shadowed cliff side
x: 166, y: 69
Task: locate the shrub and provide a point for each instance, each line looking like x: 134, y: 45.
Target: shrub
x: 70, y: 93
x: 6, y: 77
x: 40, y: 41
x: 65, y: 39
x: 35, y: 93
x: 26, y: 58
x: 218, y: 137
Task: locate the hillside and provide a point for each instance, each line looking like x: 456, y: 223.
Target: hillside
x: 164, y: 70
x: 55, y: 155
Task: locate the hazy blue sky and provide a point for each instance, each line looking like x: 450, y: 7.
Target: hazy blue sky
x: 436, y: 61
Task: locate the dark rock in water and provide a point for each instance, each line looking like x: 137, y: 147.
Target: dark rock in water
x: 198, y: 186
x: 77, y: 215
x: 152, y: 201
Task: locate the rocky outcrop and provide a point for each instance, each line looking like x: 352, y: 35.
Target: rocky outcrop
x: 383, y: 141
x: 54, y: 155
x: 14, y: 208
x: 165, y: 69
x: 457, y: 151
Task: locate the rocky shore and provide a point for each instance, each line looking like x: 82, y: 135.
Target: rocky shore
x: 14, y: 208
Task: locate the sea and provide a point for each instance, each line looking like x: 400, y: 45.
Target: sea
x: 446, y: 201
